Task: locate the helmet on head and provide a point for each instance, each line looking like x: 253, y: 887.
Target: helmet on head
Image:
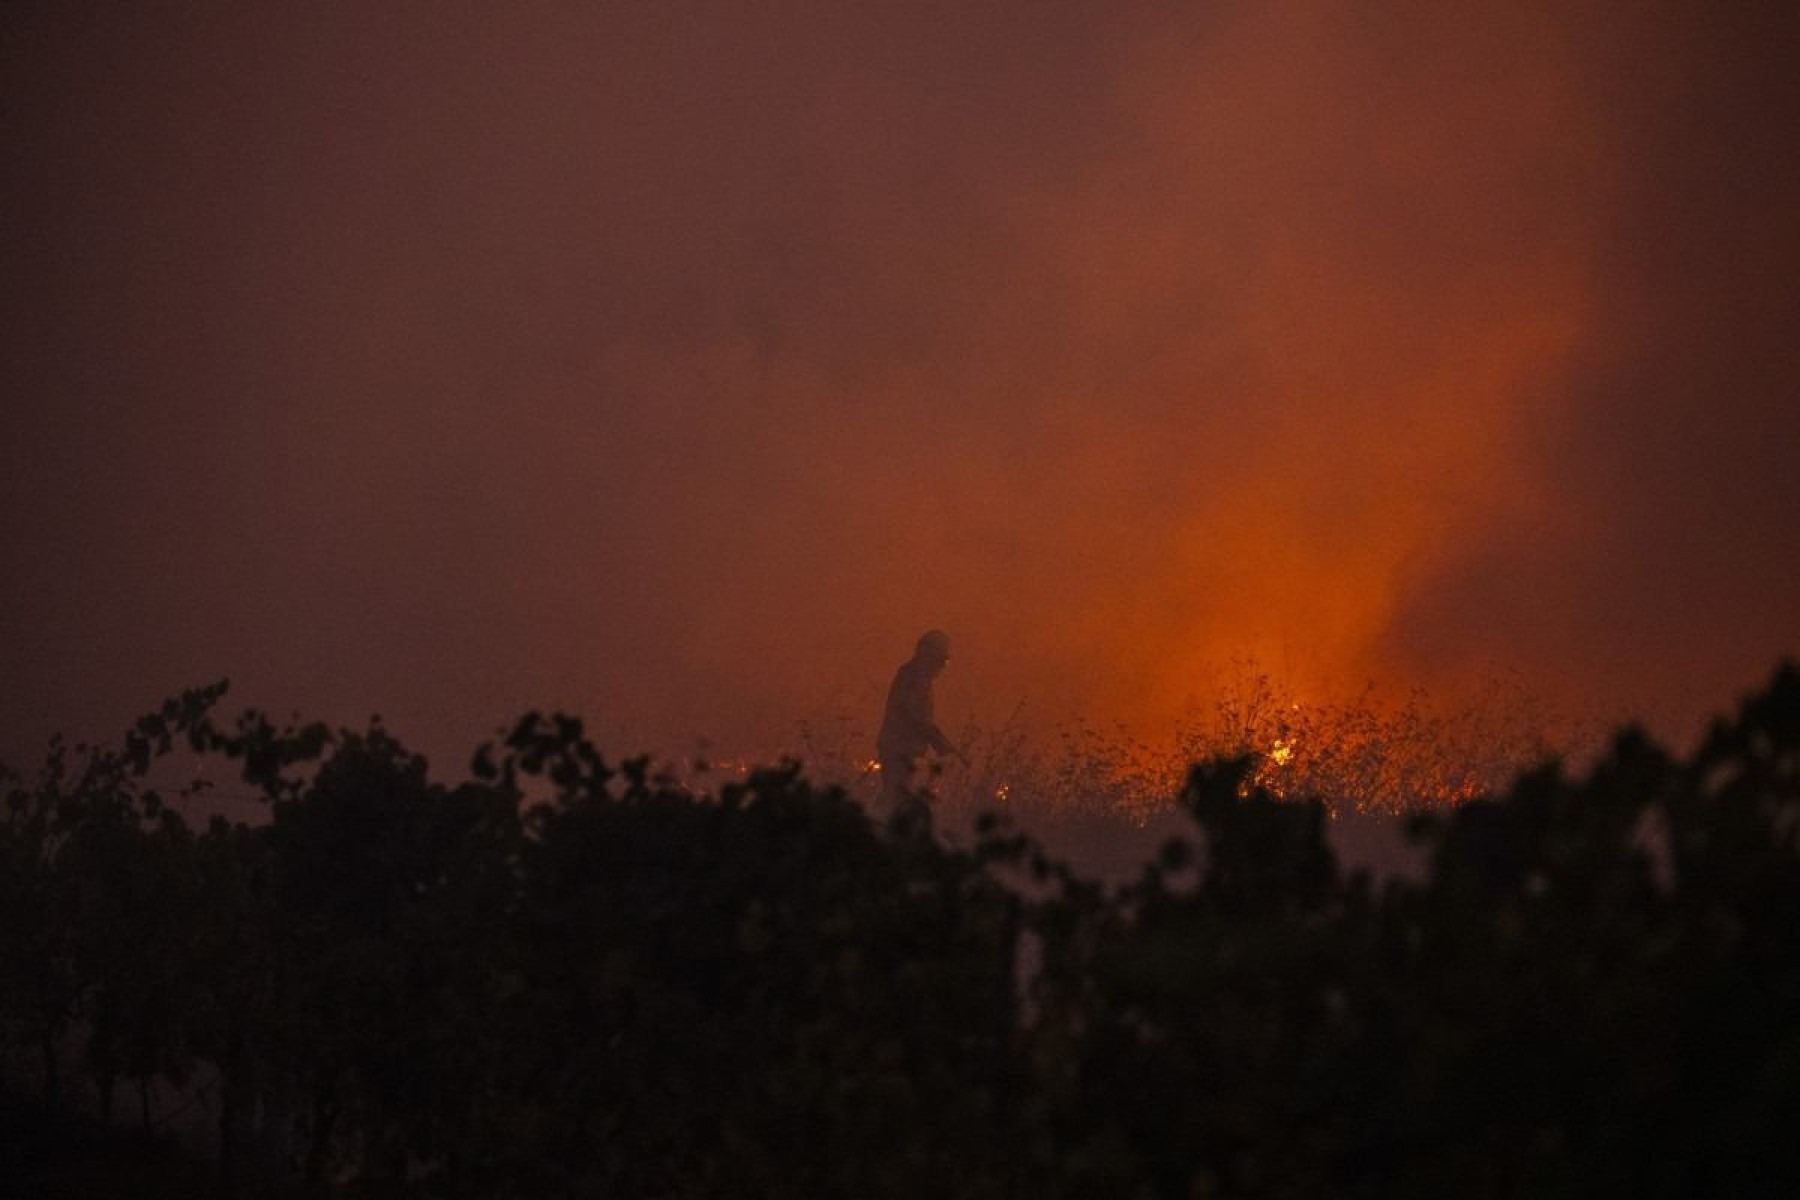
x: 934, y: 643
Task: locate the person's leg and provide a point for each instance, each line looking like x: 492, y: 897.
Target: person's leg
x: 911, y: 817
x: 904, y: 806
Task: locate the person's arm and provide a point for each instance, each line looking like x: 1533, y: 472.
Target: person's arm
x: 928, y: 725
x: 915, y: 703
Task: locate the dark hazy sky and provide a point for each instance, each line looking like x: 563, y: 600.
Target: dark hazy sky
x: 678, y: 363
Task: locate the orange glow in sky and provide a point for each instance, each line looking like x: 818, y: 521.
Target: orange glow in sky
x: 679, y: 366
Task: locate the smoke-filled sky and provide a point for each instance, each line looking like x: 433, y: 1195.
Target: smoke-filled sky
x: 677, y: 363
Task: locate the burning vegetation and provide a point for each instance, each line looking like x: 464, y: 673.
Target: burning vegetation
x: 1373, y: 754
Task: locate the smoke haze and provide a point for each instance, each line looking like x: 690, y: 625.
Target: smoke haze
x: 678, y: 364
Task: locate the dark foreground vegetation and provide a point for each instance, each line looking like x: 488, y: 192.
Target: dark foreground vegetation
x: 565, y: 978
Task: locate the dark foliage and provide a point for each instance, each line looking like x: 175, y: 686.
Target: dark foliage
x: 566, y: 977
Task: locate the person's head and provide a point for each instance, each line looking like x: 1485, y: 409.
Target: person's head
x: 933, y: 649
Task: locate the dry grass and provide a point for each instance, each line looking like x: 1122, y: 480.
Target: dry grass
x: 1376, y: 755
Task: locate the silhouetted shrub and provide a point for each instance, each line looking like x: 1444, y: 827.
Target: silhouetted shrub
x: 564, y: 977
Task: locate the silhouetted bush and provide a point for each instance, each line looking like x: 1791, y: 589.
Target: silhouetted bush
x: 567, y: 977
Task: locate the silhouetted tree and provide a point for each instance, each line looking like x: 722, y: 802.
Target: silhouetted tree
x: 88, y: 852
x: 566, y: 977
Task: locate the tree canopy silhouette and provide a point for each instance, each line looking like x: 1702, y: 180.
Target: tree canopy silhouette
x: 566, y: 976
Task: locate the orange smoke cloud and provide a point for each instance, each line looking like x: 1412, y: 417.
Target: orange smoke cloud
x: 681, y: 371
x: 1227, y: 385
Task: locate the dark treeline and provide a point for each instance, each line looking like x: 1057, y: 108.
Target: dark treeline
x: 562, y: 977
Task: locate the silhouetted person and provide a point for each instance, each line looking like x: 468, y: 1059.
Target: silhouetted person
x: 909, y: 731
